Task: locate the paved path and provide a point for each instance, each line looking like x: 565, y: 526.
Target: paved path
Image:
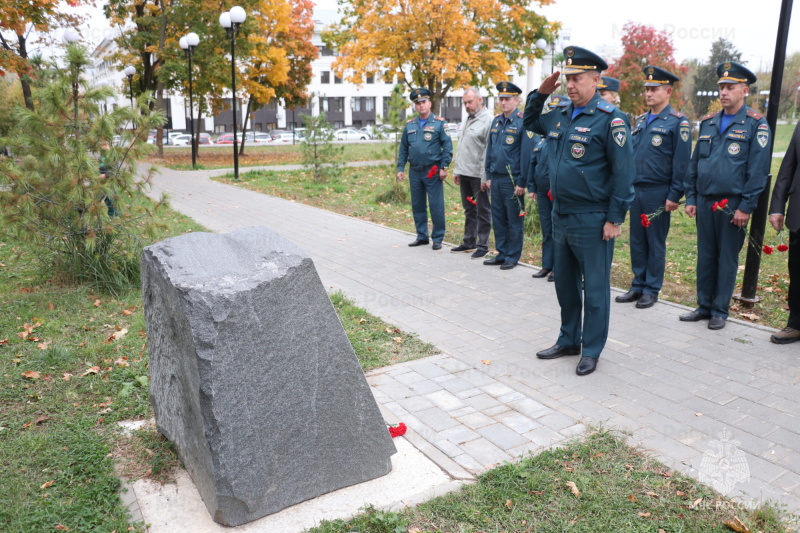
x: 679, y: 388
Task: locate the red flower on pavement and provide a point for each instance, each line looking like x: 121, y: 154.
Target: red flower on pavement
x: 432, y: 172
x: 549, y: 195
x: 768, y: 249
x: 471, y: 200
x: 715, y: 206
x: 782, y: 248
x: 723, y: 203
x: 398, y: 430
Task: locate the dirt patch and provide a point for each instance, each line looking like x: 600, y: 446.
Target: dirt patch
x: 144, y: 453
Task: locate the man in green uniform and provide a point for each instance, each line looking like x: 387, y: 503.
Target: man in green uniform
x: 425, y: 144
x: 662, y: 146
x: 730, y: 162
x: 591, y: 181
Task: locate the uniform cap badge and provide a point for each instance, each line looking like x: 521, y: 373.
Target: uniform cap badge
x: 726, y: 66
x: 569, y: 52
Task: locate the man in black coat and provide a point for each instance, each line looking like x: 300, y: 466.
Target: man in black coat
x: 787, y: 187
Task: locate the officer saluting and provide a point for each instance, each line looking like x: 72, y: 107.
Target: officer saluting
x: 730, y: 162
x: 504, y: 156
x: 591, y: 180
x: 662, y: 146
x: 425, y: 144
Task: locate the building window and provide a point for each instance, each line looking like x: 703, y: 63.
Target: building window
x: 356, y: 124
x: 338, y: 124
x: 356, y: 104
x: 326, y: 76
x: 369, y: 103
x: 337, y: 79
x: 388, y: 78
x: 324, y: 104
x: 371, y: 79
x: 338, y: 105
x: 325, y: 51
x: 219, y: 128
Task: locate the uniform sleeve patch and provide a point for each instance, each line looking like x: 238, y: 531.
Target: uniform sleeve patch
x: 617, y: 122
x: 684, y: 123
x: 763, y: 127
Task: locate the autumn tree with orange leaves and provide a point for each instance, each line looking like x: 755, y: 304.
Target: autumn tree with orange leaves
x: 23, y: 24
x: 437, y: 44
x: 644, y: 45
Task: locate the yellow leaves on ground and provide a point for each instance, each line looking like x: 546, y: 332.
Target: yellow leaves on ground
x: 737, y: 525
x: 574, y: 488
x: 117, y: 335
x: 486, y: 361
x: 31, y: 374
x: 27, y: 332
x: 46, y: 485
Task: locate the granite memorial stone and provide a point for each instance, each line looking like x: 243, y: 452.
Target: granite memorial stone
x: 252, y: 375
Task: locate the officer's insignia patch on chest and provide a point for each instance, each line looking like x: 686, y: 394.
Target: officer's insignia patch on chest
x: 763, y: 138
x: 530, y: 134
x: 619, y: 136
x: 428, y: 136
x: 656, y: 140
x: 509, y: 139
x: 578, y: 150
x: 734, y: 148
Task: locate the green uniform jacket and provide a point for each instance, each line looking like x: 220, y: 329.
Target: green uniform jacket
x: 590, y: 158
x: 730, y: 163
x: 425, y: 146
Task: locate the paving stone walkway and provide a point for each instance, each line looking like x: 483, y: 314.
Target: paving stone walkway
x: 682, y: 391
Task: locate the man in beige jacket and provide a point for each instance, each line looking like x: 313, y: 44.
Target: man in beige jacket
x: 470, y: 175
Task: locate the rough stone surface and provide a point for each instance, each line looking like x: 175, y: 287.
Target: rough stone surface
x: 252, y: 375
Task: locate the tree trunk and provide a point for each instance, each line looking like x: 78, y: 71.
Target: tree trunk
x: 245, y: 119
x: 160, y: 133
x: 25, y: 80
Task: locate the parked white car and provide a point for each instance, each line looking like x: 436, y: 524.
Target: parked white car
x: 283, y: 138
x: 349, y: 134
x: 183, y: 139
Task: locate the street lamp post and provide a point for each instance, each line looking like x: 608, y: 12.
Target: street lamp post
x: 554, y: 48
x: 129, y: 72
x: 232, y: 20
x: 188, y: 43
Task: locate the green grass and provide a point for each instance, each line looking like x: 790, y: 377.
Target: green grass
x: 617, y: 489
x: 361, y: 193
x: 783, y: 134
x: 65, y: 384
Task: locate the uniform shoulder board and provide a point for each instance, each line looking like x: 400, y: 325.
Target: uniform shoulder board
x: 640, y: 117
x: 675, y: 113
x: 519, y: 114
x: 602, y: 105
x: 409, y: 120
x: 753, y: 114
x: 439, y: 118
x: 710, y: 115
x: 498, y: 115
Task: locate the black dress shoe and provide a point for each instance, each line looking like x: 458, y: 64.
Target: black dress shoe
x: 462, y: 248
x: 552, y: 277
x: 557, y: 351
x: 717, y: 322
x: 508, y: 265
x: 542, y: 273
x: 419, y: 242
x: 494, y: 262
x: 437, y: 246
x: 587, y: 365
x: 694, y: 316
x: 628, y: 297
x: 647, y: 300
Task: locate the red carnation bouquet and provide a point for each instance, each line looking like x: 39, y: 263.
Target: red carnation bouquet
x: 432, y: 172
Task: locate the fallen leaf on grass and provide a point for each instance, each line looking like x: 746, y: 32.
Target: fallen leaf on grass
x: 66, y: 377
x: 41, y: 419
x: 509, y: 504
x: 573, y: 488
x: 61, y: 527
x: 50, y: 306
x: 93, y: 370
x: 632, y: 498
x: 750, y: 316
x: 653, y: 494
x: 46, y: 485
x: 680, y: 494
x: 644, y: 515
x: 398, y: 340
x: 661, y: 530
x: 737, y: 525
x: 31, y: 374
x: 697, y: 502
x: 3, y: 342
x: 486, y: 361
x: 96, y: 303
x: 117, y: 335
x: 43, y: 345
x: 127, y: 312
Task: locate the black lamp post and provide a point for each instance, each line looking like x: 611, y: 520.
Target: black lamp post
x: 188, y: 43
x: 232, y: 21
x: 129, y: 72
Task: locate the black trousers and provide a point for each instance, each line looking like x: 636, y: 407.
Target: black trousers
x: 794, y: 280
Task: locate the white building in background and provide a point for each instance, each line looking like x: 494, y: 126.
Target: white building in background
x: 345, y: 104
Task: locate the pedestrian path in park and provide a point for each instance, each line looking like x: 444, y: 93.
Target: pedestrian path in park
x: 718, y: 405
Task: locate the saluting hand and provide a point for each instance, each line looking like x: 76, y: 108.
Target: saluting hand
x: 550, y: 83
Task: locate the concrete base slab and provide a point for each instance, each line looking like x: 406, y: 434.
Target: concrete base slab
x: 414, y: 478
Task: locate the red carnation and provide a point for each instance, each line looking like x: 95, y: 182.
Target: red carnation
x: 549, y: 195
x: 723, y: 203
x: 767, y: 249
x: 522, y: 214
x: 470, y: 200
x: 715, y: 206
x: 397, y: 431
x: 782, y: 248
x: 432, y: 172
